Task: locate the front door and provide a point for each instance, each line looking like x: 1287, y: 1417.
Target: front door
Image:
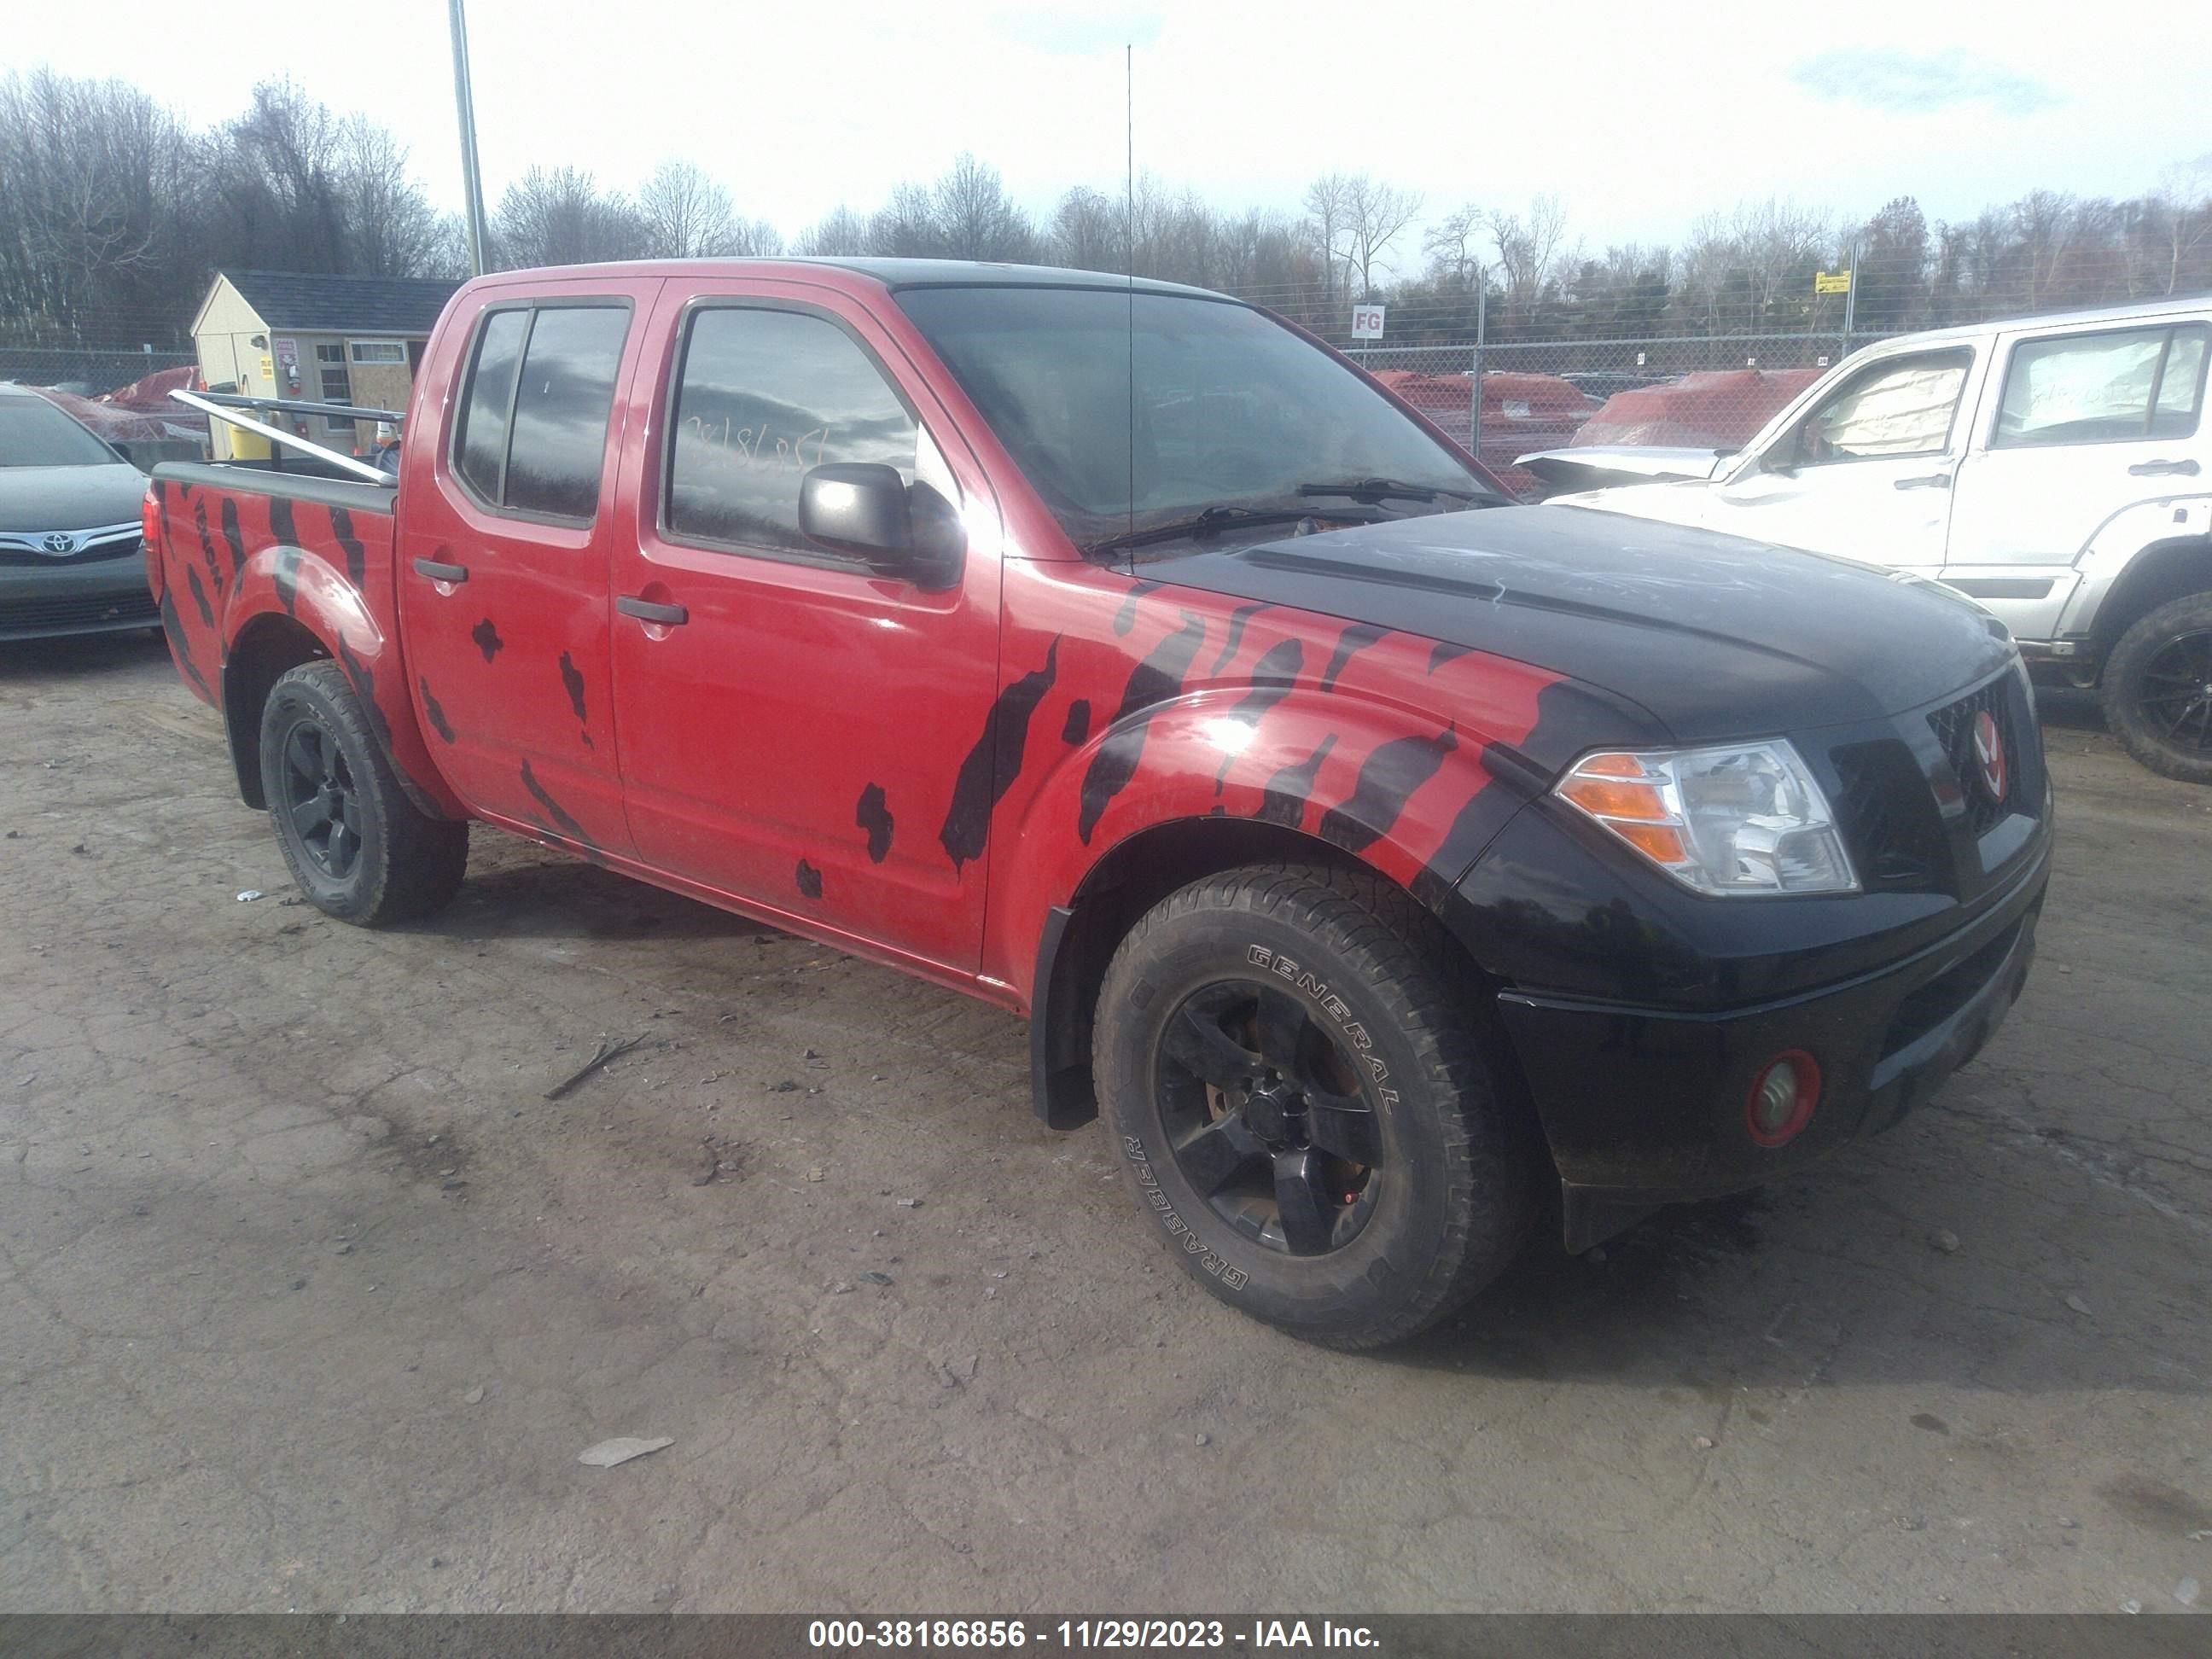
x: 1865, y: 473
x: 2088, y: 421
x: 503, y: 561
x: 793, y: 725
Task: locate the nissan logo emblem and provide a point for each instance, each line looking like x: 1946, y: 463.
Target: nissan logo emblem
x: 1990, y: 758
x: 58, y: 542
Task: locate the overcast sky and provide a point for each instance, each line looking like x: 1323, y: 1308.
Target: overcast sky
x: 1643, y: 116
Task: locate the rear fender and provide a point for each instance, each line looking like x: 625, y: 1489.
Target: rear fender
x: 242, y: 557
x: 2105, y: 558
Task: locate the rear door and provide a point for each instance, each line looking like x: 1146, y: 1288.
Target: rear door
x: 2079, y: 423
x: 504, y: 562
x: 1866, y: 471
x: 794, y: 725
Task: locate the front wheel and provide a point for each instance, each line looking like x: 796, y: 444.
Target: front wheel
x: 2158, y: 689
x: 1288, y: 1066
x: 359, y: 848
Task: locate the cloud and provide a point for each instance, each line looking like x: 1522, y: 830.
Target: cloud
x: 1078, y: 34
x: 1915, y: 84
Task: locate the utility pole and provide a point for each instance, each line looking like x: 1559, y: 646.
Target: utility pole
x: 1850, y: 291
x: 464, y: 103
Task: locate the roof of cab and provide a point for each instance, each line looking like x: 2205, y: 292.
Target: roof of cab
x: 2137, y: 311
x: 890, y: 273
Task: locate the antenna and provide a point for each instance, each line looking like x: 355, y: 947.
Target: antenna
x: 1129, y: 254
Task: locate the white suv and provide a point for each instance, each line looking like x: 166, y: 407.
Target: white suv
x: 2056, y: 469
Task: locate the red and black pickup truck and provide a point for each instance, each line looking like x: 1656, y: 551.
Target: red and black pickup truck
x: 1379, y: 856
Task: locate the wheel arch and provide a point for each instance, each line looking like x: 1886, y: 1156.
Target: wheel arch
x: 1080, y: 936
x: 268, y: 647
x: 2160, y: 573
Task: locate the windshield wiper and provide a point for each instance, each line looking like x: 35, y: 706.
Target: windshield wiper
x: 1211, y: 521
x: 1390, y: 489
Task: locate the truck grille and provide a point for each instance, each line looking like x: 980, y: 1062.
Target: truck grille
x: 101, y: 612
x: 2005, y: 700
x: 1887, y: 816
x: 1912, y: 816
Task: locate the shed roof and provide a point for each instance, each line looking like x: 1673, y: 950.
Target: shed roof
x: 323, y: 303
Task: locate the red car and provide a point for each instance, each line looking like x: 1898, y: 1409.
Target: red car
x: 1124, y: 656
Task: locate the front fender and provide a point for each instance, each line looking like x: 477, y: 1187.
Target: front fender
x: 1413, y: 794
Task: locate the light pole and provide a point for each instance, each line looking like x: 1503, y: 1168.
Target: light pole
x: 464, y: 104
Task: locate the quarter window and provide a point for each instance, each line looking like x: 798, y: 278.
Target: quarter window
x: 533, y: 432
x: 2130, y: 384
x: 1891, y: 410
x: 762, y: 396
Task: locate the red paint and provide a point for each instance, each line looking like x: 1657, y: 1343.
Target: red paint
x: 732, y: 757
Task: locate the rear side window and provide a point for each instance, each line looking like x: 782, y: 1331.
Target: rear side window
x: 534, y: 430
x: 2128, y: 385
x: 762, y: 396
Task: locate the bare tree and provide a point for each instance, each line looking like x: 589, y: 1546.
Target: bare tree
x: 1530, y: 251
x: 1328, y: 215
x: 1086, y: 231
x: 687, y: 215
x: 391, y: 228
x: 974, y: 218
x: 1450, y: 244
x: 842, y: 233
x: 559, y: 217
x: 1376, y: 216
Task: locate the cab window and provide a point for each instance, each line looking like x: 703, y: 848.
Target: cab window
x: 2127, y: 385
x: 1900, y: 408
x: 531, y: 438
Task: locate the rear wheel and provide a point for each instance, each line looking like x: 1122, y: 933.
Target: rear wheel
x: 1301, y: 1106
x: 2158, y: 689
x: 358, y: 847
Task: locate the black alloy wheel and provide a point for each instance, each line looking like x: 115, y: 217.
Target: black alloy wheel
x: 1267, y: 1118
x: 320, y: 798
x: 2176, y: 698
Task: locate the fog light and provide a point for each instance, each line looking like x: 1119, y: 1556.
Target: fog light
x: 1783, y: 1097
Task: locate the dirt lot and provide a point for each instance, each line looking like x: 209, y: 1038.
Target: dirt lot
x: 309, y: 1298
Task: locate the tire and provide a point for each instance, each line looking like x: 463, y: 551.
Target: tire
x: 2158, y: 689
x: 1337, y: 985
x: 357, y: 847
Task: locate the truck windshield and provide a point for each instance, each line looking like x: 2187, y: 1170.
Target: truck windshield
x: 1135, y: 412
x: 34, y: 433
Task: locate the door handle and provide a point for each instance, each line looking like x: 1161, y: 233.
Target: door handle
x: 668, y: 615
x: 2165, y: 469
x: 441, y: 572
x: 1926, y: 481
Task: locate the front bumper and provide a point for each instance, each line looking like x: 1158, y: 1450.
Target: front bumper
x: 1644, y: 1107
x: 98, y: 596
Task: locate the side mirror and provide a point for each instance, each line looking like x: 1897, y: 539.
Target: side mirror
x: 862, y: 509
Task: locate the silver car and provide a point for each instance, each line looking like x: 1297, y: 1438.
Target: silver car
x: 70, y: 556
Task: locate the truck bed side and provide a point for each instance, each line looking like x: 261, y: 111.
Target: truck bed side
x: 258, y: 571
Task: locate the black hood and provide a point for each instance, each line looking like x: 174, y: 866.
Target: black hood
x: 1706, y: 637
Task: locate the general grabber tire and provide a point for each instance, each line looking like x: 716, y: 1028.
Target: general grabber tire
x: 1297, y: 1089
x: 359, y: 848
x: 2158, y: 689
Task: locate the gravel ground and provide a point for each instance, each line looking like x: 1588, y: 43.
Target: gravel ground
x: 309, y: 1298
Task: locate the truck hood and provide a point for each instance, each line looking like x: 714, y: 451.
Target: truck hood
x: 69, y: 497
x: 1695, y: 637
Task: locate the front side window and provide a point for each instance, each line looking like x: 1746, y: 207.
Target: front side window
x: 1130, y: 411
x: 533, y: 436
x: 2132, y: 384
x: 1896, y: 409
x: 762, y: 396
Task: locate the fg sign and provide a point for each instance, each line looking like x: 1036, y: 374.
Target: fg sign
x: 1367, y: 322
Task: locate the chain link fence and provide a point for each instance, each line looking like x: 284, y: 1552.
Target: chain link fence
x: 1711, y: 391
x: 86, y: 372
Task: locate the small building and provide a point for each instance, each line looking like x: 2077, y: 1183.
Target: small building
x: 317, y: 338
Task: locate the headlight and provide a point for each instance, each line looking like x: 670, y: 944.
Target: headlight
x: 1741, y: 818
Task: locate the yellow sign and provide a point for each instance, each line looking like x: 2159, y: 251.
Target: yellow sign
x: 1832, y: 282
x: 268, y: 369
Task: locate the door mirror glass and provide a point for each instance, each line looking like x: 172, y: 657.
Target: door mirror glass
x: 864, y: 510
